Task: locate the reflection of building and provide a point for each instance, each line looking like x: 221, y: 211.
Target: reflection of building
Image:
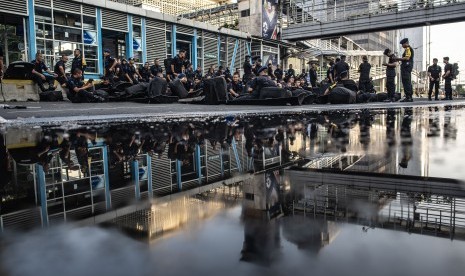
x: 173, y: 6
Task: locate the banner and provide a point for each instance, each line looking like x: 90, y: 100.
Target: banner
x: 90, y: 38
x: 137, y: 44
x: 270, y: 19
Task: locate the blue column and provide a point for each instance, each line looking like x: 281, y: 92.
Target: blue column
x: 236, y: 154
x: 194, y: 50
x: 100, y: 42
x: 149, y: 175
x: 135, y: 177
x: 144, y: 42
x: 31, y: 30
x: 219, y: 50
x: 233, y: 61
x: 129, y: 39
x: 173, y: 41
x: 178, y: 174
x: 40, y: 174
x: 198, y: 164
x: 106, y: 159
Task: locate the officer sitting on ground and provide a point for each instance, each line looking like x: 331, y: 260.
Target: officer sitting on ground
x: 235, y: 87
x: 77, y: 90
x: 262, y: 81
x: 39, y: 75
x: 60, y: 70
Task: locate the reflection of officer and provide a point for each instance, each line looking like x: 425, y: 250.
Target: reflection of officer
x: 434, y: 75
x: 390, y: 75
x: 406, y: 70
x: 406, y: 138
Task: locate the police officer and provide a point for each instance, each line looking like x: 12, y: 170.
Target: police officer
x: 145, y: 73
x: 406, y: 70
x: 390, y: 75
x: 178, y: 62
x: 341, y: 66
x: 39, y: 75
x: 247, y: 70
x: 278, y: 72
x: 330, y: 72
x: 78, y: 62
x: 110, y: 64
x: 313, y: 75
x: 364, y: 70
x: 260, y: 82
x: 235, y: 86
x: 133, y: 73
x: 290, y: 72
x: 257, y: 65
x: 447, y: 78
x: 59, y: 69
x: 156, y: 68
x: 77, y: 89
x: 434, y: 76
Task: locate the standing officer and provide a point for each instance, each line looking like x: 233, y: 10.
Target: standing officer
x: 447, y: 78
x: 364, y: 80
x: 390, y: 75
x: 406, y: 70
x: 341, y: 66
x: 434, y: 75
x: 110, y: 64
x: 78, y: 62
x: 247, y: 70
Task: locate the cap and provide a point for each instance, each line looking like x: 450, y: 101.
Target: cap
x: 403, y: 41
x: 263, y: 68
x: 182, y: 75
x: 106, y: 51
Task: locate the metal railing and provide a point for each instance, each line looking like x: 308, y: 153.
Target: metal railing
x: 303, y: 11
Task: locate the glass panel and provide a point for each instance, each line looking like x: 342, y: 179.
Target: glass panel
x: 40, y: 44
x: 54, y: 191
x: 89, y: 23
x: 43, y: 15
x: 67, y: 19
x: 77, y: 187
x: 65, y: 48
x: 91, y: 66
x: 55, y: 207
x: 68, y: 34
x: 77, y: 201
x: 137, y: 32
x: 90, y: 52
x: 44, y: 30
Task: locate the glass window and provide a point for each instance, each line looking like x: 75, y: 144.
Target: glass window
x: 92, y: 66
x: 44, y: 30
x: 89, y: 23
x: 40, y: 45
x: 137, y: 32
x: 65, y: 48
x: 90, y: 52
x: 68, y: 34
x: 67, y: 19
x: 43, y: 15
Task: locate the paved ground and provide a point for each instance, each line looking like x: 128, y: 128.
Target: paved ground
x: 52, y: 112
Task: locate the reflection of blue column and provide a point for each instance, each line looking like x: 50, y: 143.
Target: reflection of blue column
x: 173, y: 41
x: 149, y: 175
x: 198, y: 164
x: 178, y: 174
x: 194, y: 50
x: 236, y: 154
x: 129, y: 39
x: 135, y: 177
x: 249, y: 48
x: 42, y: 193
x: 221, y: 161
x: 106, y: 159
x: 100, y: 42
x: 219, y: 50
x: 144, y: 41
x: 31, y: 30
x: 231, y: 67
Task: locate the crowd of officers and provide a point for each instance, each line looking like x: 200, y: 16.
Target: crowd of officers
x: 256, y: 76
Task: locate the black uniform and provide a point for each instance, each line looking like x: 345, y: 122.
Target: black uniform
x: 260, y: 82
x: 82, y: 96
x: 108, y: 63
x: 247, y: 72
x: 145, y: 73
x: 131, y: 70
x: 61, y: 78
x: 198, y: 75
x: 78, y: 64
x: 448, y: 82
x: 364, y: 80
x: 178, y: 62
x: 155, y: 69
x: 340, y: 67
x: 406, y: 72
x: 290, y: 73
x: 391, y: 79
x: 278, y: 74
x: 236, y: 87
x: 41, y: 68
x: 313, y: 77
x: 435, y: 72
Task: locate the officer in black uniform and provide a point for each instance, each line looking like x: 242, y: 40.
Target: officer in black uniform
x: 178, y: 62
x: 77, y: 89
x: 39, y: 76
x: 341, y: 66
x: 434, y: 75
x: 406, y: 70
x: 390, y: 75
x: 198, y: 73
x: 278, y: 72
x: 290, y: 72
x: 110, y: 64
x: 257, y: 65
x: 78, y: 62
x: 260, y: 82
x: 247, y: 70
x: 447, y: 79
x: 330, y: 72
x: 59, y: 69
x: 235, y: 87
x: 364, y: 80
x: 156, y: 68
x: 145, y: 72
x: 132, y: 72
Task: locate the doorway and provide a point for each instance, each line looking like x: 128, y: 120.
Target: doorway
x: 115, y: 42
x: 13, y: 38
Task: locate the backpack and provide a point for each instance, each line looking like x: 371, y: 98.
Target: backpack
x: 50, y: 96
x: 455, y: 71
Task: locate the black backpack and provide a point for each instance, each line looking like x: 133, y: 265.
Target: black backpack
x: 167, y: 63
x: 19, y: 71
x: 215, y: 90
x: 454, y: 71
x: 50, y: 96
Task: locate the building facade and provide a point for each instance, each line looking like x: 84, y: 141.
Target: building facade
x: 57, y: 27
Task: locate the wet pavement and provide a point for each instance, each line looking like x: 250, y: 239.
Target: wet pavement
x: 347, y: 192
